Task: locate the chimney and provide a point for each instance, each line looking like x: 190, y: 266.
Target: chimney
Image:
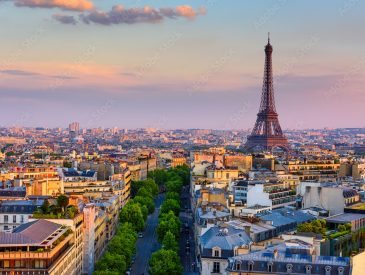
x: 247, y: 229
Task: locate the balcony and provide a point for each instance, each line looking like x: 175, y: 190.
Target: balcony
x: 24, y: 255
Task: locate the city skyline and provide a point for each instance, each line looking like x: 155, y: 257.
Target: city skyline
x: 182, y: 64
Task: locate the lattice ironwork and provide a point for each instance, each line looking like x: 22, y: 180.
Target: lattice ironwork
x: 267, y: 132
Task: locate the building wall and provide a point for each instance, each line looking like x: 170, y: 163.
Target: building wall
x: 89, y: 238
x: 208, y: 264
x: 328, y: 198
x: 256, y: 195
x: 10, y: 224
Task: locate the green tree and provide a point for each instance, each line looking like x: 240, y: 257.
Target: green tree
x: 169, y: 242
x: 170, y: 205
x: 67, y: 164
x: 341, y: 228
x: 173, y: 195
x: 62, y: 202
x: 174, y: 185
x: 132, y: 213
x: 148, y: 184
x: 147, y: 201
x: 168, y: 222
x: 159, y: 176
x: 305, y: 227
x: 165, y: 262
x: 144, y: 192
x: 144, y: 211
x: 112, y: 262
x: 45, y: 207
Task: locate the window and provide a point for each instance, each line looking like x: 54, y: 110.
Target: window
x: 216, y: 267
x: 14, y: 219
x: 216, y: 252
x: 289, y: 268
x: 328, y: 270
x: 308, y: 269
x: 39, y: 264
x: 250, y: 266
x: 6, y: 219
x: 269, y: 267
x: 238, y: 265
x: 6, y: 264
x: 6, y: 227
x: 19, y: 264
x: 21, y: 218
x: 340, y: 270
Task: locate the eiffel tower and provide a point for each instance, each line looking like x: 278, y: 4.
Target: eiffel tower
x: 267, y: 133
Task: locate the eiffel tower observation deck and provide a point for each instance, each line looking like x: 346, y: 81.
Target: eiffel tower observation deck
x: 267, y: 134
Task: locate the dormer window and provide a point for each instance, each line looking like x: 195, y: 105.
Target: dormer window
x: 269, y: 267
x: 341, y: 270
x: 216, y: 252
x: 308, y: 269
x: 250, y: 266
x: 289, y: 268
x: 328, y: 270
x: 238, y: 265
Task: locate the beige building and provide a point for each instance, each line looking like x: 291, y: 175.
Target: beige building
x: 76, y: 225
x: 40, y: 247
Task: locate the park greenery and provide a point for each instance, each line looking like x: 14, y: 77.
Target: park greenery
x: 167, y: 260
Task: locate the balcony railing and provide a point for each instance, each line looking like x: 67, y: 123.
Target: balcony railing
x: 23, y: 255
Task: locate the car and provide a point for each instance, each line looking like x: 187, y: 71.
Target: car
x: 140, y: 235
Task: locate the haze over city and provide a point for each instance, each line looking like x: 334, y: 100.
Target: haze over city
x: 180, y: 64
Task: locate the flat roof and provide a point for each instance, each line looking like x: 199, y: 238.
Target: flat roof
x: 345, y: 217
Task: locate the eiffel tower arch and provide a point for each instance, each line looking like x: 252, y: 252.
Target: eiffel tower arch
x: 267, y: 133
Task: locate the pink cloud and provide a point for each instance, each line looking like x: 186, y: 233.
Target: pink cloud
x: 75, y: 5
x: 121, y: 15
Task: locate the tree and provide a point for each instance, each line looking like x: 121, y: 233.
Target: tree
x: 159, y: 176
x: 112, y: 262
x: 132, y: 214
x: 305, y: 227
x: 144, y: 211
x: 173, y: 195
x: 170, y: 205
x: 62, y: 202
x: 45, y: 207
x: 148, y: 184
x: 165, y: 262
x: 341, y: 228
x: 67, y: 164
x: 144, y: 192
x: 71, y: 211
x: 174, y: 185
x: 146, y: 201
x: 168, y: 222
x: 169, y: 242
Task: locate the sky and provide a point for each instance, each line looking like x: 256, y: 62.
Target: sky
x: 180, y: 64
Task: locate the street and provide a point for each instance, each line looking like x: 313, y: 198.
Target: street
x: 187, y: 243
x: 148, y: 244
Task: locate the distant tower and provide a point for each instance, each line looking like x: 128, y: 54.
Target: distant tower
x: 267, y: 133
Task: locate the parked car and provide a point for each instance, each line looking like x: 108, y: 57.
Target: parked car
x: 140, y: 235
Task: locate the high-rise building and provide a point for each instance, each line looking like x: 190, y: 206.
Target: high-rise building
x: 267, y: 133
x: 74, y: 129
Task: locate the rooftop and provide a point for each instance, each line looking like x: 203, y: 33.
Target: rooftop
x: 35, y: 233
x: 345, y: 218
